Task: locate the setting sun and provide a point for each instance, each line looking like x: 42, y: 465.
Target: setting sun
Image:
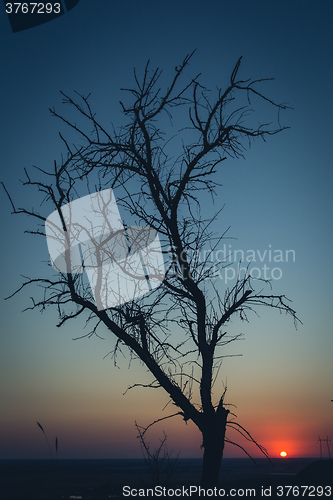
x: 283, y: 454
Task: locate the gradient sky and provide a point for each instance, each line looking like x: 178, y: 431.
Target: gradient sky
x: 278, y: 198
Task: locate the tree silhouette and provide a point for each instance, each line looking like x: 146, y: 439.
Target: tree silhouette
x: 178, y: 330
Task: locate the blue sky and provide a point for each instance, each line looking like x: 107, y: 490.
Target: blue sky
x: 280, y: 195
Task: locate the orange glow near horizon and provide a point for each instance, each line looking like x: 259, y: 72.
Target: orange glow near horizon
x: 283, y: 454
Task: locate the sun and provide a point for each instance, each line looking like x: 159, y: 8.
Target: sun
x: 283, y: 454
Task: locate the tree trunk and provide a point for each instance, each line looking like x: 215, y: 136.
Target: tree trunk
x: 213, y: 434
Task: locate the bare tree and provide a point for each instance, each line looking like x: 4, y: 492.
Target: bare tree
x: 178, y: 329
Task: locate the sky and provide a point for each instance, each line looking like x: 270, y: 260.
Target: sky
x: 277, y: 199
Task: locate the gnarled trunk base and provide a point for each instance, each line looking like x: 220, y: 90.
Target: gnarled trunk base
x: 213, y: 435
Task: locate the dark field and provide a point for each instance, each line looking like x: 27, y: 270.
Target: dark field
x: 105, y: 479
